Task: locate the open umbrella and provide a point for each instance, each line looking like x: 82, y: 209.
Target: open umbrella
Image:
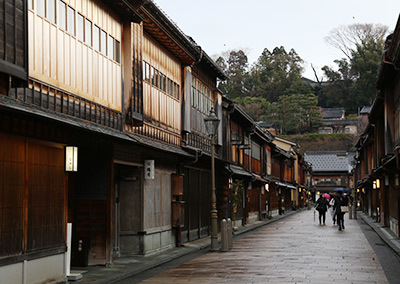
x: 341, y: 189
x: 327, y: 196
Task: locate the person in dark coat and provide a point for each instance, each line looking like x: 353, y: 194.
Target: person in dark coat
x: 340, y: 200
x: 322, y: 206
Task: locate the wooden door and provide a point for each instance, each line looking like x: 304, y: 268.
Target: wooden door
x: 129, y: 208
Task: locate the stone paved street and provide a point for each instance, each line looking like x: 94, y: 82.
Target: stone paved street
x: 294, y: 250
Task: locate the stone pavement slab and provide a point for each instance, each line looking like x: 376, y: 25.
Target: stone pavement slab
x: 293, y: 250
x: 388, y: 236
x: 125, y: 267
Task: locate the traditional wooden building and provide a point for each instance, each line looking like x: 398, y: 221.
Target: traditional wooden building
x: 334, y: 121
x: 236, y: 148
x: 285, y: 160
x: 303, y: 180
x: 119, y: 85
x: 377, y: 172
x: 176, y: 89
x: 247, y: 158
x: 330, y: 169
x: 69, y: 54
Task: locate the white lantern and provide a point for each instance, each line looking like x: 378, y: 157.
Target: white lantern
x: 71, y: 159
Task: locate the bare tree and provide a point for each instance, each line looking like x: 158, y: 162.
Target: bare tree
x: 345, y: 38
x: 315, y: 74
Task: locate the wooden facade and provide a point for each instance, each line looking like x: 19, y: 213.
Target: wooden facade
x: 78, y: 51
x: 14, y: 45
x: 121, y: 82
x: 377, y: 172
x: 267, y: 172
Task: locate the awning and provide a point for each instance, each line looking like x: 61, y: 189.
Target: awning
x: 236, y: 170
x: 284, y: 184
x: 291, y: 186
x: 280, y: 183
x: 283, y: 152
x: 158, y: 145
x: 304, y: 186
x: 259, y: 178
x: 133, y: 138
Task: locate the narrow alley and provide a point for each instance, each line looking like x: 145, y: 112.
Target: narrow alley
x: 293, y: 250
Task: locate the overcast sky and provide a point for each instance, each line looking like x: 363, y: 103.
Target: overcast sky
x: 252, y: 25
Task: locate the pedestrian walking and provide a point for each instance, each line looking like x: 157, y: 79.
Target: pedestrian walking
x: 341, y: 207
x: 332, y: 209
x: 321, y: 206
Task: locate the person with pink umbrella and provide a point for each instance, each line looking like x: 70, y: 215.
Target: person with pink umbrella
x: 327, y: 196
x: 322, y: 206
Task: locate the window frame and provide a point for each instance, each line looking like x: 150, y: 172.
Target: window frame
x: 69, y: 24
x: 80, y: 27
x: 96, y: 38
x: 62, y: 20
x: 103, y: 42
x: 51, y: 17
x: 88, y: 35
x: 40, y: 7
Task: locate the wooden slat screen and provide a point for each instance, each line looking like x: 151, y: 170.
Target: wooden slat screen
x: 255, y: 166
x: 46, y: 219
x: 254, y: 197
x: 32, y: 196
x: 13, y: 37
x: 57, y: 56
x: 137, y: 72
x: 12, y: 191
x: 276, y: 170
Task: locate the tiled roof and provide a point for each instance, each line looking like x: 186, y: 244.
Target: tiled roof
x: 265, y: 124
x: 330, y: 161
x: 332, y: 113
x: 365, y: 109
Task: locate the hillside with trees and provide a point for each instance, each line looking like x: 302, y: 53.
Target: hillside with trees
x: 324, y: 142
x: 272, y: 89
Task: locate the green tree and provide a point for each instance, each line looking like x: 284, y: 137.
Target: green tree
x: 298, y: 113
x: 236, y: 67
x: 257, y: 107
x: 365, y: 65
x: 353, y: 84
x: 277, y: 73
x: 336, y: 93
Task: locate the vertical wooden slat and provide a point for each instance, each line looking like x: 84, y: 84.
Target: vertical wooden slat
x: 5, y: 30
x: 26, y: 201
x: 55, y: 100
x: 48, y: 98
x: 15, y: 33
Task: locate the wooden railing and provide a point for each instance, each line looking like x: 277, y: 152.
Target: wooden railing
x: 55, y: 100
x: 198, y: 141
x: 158, y: 133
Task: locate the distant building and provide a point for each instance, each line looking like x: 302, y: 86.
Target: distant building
x: 334, y: 122
x: 363, y: 118
x: 271, y: 127
x: 333, y: 113
x: 330, y: 169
